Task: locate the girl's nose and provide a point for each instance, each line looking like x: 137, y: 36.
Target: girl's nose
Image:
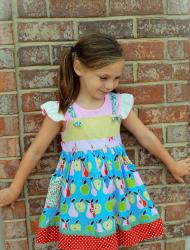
x: 109, y: 85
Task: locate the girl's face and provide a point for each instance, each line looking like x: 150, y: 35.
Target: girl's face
x: 97, y: 83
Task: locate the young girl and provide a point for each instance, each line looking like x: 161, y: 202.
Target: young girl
x: 96, y: 198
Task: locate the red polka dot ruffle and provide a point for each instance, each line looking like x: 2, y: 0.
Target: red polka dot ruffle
x: 125, y: 238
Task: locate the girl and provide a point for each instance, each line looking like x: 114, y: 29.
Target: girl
x: 96, y: 198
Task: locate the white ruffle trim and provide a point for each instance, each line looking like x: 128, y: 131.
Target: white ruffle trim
x: 51, y: 109
x: 126, y: 104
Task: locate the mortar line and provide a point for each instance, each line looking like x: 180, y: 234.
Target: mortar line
x: 47, y: 8
x: 106, y: 18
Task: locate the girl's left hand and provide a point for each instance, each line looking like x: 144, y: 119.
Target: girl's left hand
x: 180, y: 169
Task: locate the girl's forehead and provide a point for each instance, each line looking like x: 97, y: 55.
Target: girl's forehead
x: 112, y: 68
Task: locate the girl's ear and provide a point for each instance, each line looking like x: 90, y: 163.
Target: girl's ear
x: 77, y: 67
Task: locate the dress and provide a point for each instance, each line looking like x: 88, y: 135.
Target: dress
x: 96, y: 198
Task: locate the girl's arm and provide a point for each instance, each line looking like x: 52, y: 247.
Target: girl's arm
x: 148, y: 140
x: 47, y: 132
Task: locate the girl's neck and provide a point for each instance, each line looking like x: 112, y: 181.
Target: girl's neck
x: 89, y: 102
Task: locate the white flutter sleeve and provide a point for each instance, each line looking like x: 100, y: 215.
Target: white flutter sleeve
x: 51, y: 109
x: 126, y: 102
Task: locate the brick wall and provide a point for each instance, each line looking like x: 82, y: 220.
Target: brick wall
x: 154, y: 35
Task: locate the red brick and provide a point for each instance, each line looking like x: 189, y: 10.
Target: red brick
x: 164, y: 114
x: 147, y: 159
x: 32, y: 8
x: 176, y: 212
x: 188, y: 203
x: 33, y: 55
x: 75, y: 8
x: 147, y: 72
x: 5, y: 10
x: 57, y: 51
x: 187, y: 229
x: 144, y: 50
x: 34, y: 225
x: 38, y: 186
x: 46, y: 165
x: 32, y: 123
x: 178, y: 49
x: 177, y: 245
x: 149, y: 27
x: 151, y: 176
x: 160, y: 71
x: 187, y: 180
x: 8, y: 168
x: 187, y: 48
x: 39, y: 78
x: 6, y: 58
x: 9, y: 126
x: 32, y: 101
x: 179, y: 152
x: 168, y: 194
x: 7, y: 81
x: 19, y: 212
x: 179, y: 133
x: 6, y: 36
x: 175, y: 230
x: 131, y: 7
x: 145, y: 94
x: 177, y: 92
x: 53, y: 147
x: 8, y: 104
x: 181, y: 71
x: 4, y: 185
x: 178, y: 7
x: 188, y: 195
x: 158, y: 133
x: 36, y: 206
x: 127, y: 74
x: 127, y: 138
x: 16, y: 245
x: 118, y: 28
x: 45, y: 31
x: 9, y: 147
x: 15, y: 229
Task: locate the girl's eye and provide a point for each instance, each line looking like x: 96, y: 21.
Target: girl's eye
x: 103, y: 78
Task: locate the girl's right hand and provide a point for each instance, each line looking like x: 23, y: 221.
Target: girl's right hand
x: 7, y: 196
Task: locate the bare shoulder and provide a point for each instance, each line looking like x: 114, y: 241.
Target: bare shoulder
x: 135, y: 125
x: 47, y: 132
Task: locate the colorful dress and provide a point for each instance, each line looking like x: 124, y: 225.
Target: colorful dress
x: 96, y: 198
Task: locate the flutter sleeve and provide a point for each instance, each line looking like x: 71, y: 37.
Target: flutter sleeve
x: 126, y: 102
x: 51, y: 109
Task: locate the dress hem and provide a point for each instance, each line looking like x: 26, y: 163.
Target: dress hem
x: 120, y: 238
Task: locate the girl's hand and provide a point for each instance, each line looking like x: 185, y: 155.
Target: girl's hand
x: 180, y: 169
x: 7, y: 196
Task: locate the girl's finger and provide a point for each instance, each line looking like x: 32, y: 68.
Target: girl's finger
x: 180, y: 180
x: 13, y: 206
